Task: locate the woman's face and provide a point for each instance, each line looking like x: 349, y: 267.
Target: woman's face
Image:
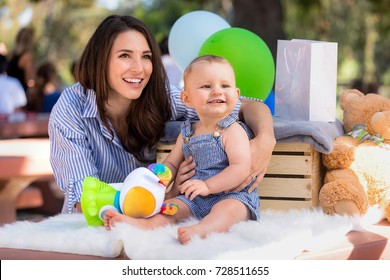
x: 130, y: 66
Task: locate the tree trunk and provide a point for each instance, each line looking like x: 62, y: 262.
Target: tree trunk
x: 263, y: 17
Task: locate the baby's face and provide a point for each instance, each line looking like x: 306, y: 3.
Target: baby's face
x: 210, y: 88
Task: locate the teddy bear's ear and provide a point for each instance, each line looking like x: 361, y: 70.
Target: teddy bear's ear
x: 347, y: 96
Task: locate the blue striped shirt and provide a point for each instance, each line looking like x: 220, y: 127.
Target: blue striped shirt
x: 81, y: 146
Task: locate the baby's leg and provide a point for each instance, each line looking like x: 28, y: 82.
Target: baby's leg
x: 222, y: 216
x: 155, y: 221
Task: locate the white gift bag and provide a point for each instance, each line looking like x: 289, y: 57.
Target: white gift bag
x: 306, y: 80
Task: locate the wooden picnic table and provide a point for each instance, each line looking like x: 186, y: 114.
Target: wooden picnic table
x: 22, y: 161
x: 24, y: 125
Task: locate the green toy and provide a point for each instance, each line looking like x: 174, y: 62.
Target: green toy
x: 141, y: 195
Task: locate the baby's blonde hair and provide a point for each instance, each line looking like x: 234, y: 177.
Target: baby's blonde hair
x: 208, y: 58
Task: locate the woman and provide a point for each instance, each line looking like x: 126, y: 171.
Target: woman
x: 109, y: 123
x: 21, y: 63
x: 44, y: 94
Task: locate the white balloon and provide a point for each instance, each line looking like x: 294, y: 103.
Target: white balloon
x: 189, y: 33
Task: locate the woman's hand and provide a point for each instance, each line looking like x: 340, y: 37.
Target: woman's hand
x: 186, y: 171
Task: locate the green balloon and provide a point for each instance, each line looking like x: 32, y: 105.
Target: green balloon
x: 250, y: 57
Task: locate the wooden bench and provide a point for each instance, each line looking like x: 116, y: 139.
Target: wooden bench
x: 293, y: 179
x: 27, y: 125
x: 22, y: 161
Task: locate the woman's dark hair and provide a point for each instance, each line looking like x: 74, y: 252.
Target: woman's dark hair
x: 46, y: 73
x: 147, y: 115
x: 24, y: 42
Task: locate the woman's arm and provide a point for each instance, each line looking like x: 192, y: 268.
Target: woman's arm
x: 70, y: 151
x: 173, y: 161
x: 71, y: 162
x: 259, y: 118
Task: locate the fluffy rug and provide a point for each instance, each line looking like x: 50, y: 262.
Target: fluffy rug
x: 277, y: 236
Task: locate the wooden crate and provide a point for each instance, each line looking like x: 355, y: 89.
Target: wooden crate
x: 162, y: 152
x: 293, y: 179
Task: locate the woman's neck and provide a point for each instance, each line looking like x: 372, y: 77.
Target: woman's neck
x: 116, y: 112
x: 117, y: 108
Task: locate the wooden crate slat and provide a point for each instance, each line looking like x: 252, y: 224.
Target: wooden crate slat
x: 161, y: 156
x: 292, y: 147
x: 166, y: 147
x: 290, y: 165
x: 285, y: 187
x: 317, y: 174
x: 283, y: 205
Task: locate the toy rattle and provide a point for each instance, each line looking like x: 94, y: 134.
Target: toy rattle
x: 141, y: 195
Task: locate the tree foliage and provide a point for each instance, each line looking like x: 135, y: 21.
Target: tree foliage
x: 359, y: 26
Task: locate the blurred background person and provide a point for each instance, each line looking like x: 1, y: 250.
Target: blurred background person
x: 21, y: 62
x: 12, y: 95
x: 173, y: 71
x: 3, y: 48
x: 45, y: 93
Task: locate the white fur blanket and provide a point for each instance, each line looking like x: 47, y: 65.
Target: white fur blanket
x: 276, y: 236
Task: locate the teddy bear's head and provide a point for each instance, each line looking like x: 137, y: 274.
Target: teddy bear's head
x: 372, y: 110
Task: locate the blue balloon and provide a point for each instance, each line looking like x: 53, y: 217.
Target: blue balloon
x: 270, y: 102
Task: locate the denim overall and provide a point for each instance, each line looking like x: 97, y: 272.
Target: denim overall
x: 210, y: 158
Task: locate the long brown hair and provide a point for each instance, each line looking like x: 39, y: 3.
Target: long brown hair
x: 147, y: 115
x: 24, y: 42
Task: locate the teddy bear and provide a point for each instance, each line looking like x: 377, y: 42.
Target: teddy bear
x: 358, y: 168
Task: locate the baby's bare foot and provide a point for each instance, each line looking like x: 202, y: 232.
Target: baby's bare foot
x: 184, y: 234
x: 113, y: 217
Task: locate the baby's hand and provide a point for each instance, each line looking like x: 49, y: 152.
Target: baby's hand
x: 193, y: 188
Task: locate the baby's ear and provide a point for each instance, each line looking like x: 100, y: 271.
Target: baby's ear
x: 185, y: 99
x: 238, y: 92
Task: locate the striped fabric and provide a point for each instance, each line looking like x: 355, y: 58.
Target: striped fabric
x: 81, y: 145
